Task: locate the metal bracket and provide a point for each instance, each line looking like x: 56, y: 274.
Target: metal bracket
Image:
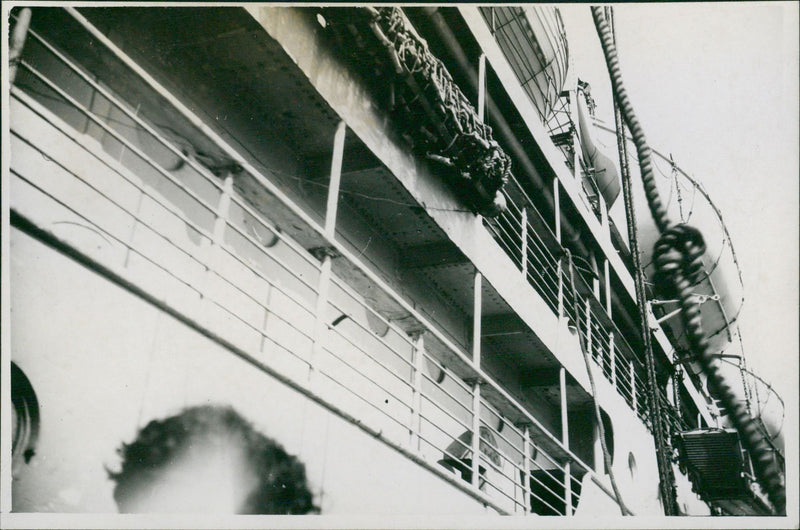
x: 655, y: 322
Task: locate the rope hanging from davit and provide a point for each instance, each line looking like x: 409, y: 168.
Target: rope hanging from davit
x: 598, y: 418
x: 678, y: 262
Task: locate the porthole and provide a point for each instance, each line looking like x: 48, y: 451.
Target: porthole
x: 25, y: 418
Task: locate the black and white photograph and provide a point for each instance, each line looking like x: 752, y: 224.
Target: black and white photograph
x: 424, y: 265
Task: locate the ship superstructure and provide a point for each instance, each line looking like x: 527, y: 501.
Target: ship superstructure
x: 385, y: 234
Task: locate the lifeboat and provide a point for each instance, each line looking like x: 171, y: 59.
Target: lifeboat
x: 534, y: 42
x: 721, y: 290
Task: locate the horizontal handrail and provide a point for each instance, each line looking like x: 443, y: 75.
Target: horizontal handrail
x: 462, y: 357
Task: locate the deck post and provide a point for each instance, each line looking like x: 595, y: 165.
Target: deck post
x: 562, y: 384
x: 526, y: 469
x: 633, y: 387
x: 476, y: 319
x: 560, y: 265
x: 612, y: 352
x: 482, y: 87
x: 320, y: 326
x: 18, y: 35
x: 476, y: 435
x: 210, y: 247
x: 476, y: 389
x: 416, y: 400
x: 223, y: 210
x: 607, y: 275
x: 557, y: 207
x: 524, y: 238
x: 335, y: 181
x: 589, y: 348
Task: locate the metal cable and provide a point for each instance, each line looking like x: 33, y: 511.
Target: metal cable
x: 678, y: 260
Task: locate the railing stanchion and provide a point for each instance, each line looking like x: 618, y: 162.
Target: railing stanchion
x: 607, y: 277
x: 557, y: 207
x: 416, y: 400
x: 476, y: 436
x: 335, y: 181
x: 212, y: 247
x: 612, y: 354
x: 524, y: 234
x: 482, y: 87
x: 476, y: 318
x: 562, y: 385
x: 320, y: 326
x: 526, y: 469
x: 589, y: 330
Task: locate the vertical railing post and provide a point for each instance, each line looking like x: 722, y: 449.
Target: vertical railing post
x: 607, y: 277
x: 595, y: 276
x: 320, y: 325
x: 589, y: 348
x: 562, y: 383
x: 476, y: 389
x: 557, y: 207
x: 476, y: 318
x: 326, y: 254
x: 526, y: 468
x: 416, y: 399
x: 17, y: 42
x: 612, y: 353
x: 524, y: 236
x: 560, y: 270
x: 559, y: 265
x: 482, y: 87
x: 476, y: 435
x: 634, y: 400
x: 223, y: 208
x: 211, y: 248
x: 335, y: 180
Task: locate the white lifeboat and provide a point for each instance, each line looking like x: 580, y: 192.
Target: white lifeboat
x: 534, y: 42
x: 720, y: 291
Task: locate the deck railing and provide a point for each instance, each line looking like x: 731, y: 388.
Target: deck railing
x: 525, y: 236
x: 186, y: 235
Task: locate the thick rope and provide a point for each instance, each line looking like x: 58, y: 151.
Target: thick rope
x: 584, y: 349
x: 678, y: 260
x: 666, y: 475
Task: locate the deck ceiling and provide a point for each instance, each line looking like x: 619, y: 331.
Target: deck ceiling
x: 242, y: 77
x: 225, y: 56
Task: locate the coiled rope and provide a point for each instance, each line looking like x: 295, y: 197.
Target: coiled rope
x: 678, y: 261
